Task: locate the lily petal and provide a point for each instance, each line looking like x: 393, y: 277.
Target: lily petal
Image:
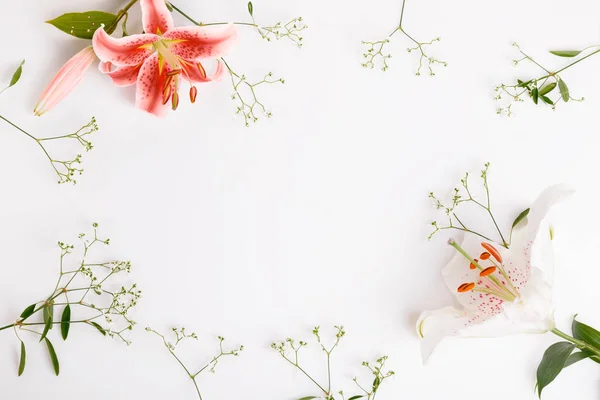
x: 121, y: 76
x: 156, y: 17
x: 65, y: 80
x: 150, y: 85
x: 127, y: 51
x: 195, y: 72
x: 198, y: 42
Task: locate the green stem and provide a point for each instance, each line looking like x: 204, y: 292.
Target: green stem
x: 7, y: 327
x: 401, y: 14
x: 193, y: 21
x: 575, y: 62
x: 122, y: 13
x: 579, y: 343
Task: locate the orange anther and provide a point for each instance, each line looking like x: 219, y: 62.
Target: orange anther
x: 487, y: 271
x: 473, y: 266
x: 193, y: 94
x: 166, y: 94
x: 202, y: 70
x: 495, y: 253
x: 174, y: 72
x: 485, y: 255
x: 466, y: 287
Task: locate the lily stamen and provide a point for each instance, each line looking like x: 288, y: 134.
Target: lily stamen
x: 487, y: 271
x: 466, y: 287
x: 174, y: 72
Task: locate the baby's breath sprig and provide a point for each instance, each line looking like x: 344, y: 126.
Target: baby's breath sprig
x: 65, y: 169
x: 180, y: 335
x: 289, y: 350
x: 375, y: 53
x: 464, y: 195
x: 541, y: 89
x: 88, y: 290
x: 244, y: 92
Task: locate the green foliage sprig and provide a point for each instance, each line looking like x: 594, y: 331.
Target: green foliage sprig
x: 65, y: 168
x: 86, y: 294
x: 181, y: 335
x: 375, y: 53
x: 547, y: 89
x: 289, y: 350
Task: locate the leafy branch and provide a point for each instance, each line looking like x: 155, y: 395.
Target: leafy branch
x: 180, y: 336
x: 65, y: 169
x: 376, y: 53
x: 73, y: 291
x: 540, y: 90
x: 289, y: 350
x: 244, y: 92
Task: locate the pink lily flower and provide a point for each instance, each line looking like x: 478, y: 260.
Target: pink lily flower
x: 156, y: 61
x: 67, y: 77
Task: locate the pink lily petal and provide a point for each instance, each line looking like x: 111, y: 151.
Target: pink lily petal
x: 65, y: 80
x: 150, y: 85
x: 195, y: 72
x: 121, y: 76
x: 130, y: 50
x: 156, y: 17
x: 197, y: 42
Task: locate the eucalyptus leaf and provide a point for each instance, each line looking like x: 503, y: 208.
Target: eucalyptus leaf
x: 97, y: 326
x: 48, y: 319
x: 28, y: 312
x: 83, y: 25
x: 547, y: 88
x: 564, y: 90
x: 53, y: 357
x: 586, y: 333
x: 535, y: 95
x: 65, y: 322
x: 554, y: 360
x: 566, y: 53
x: 250, y: 8
x: 521, y: 217
x: 23, y: 359
x: 547, y: 100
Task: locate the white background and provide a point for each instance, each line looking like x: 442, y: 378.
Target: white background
x: 318, y: 215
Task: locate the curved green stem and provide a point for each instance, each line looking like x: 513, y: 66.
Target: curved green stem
x: 579, y: 343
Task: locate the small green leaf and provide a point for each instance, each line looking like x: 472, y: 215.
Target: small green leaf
x: 547, y: 89
x: 83, y: 25
x: 521, y: 217
x: 576, y: 357
x: 566, y: 53
x: 23, y: 359
x: 48, y: 319
x: 17, y: 74
x: 28, y: 312
x: 522, y: 84
x: 535, y: 95
x: 65, y: 322
x: 547, y: 100
x: 376, y: 383
x: 586, y: 333
x: 357, y: 397
x: 95, y: 325
x: 564, y: 90
x: 169, y: 6
x: 553, y: 361
x: 250, y: 9
x: 308, y: 398
x: 53, y: 357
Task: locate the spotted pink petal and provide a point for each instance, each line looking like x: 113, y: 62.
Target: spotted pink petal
x: 65, y: 80
x: 130, y: 50
x: 195, y: 72
x: 198, y: 42
x: 150, y: 85
x: 121, y: 76
x: 156, y: 17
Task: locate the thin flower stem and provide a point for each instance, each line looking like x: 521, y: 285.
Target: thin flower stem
x: 579, y: 343
x: 307, y: 375
x: 193, y: 21
x: 122, y: 13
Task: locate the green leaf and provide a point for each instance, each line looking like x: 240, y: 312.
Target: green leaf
x: 547, y: 100
x: 95, y: 325
x: 566, y: 53
x: 308, y: 398
x: 547, y: 89
x: 53, y: 357
x: 83, y: 25
x: 16, y: 75
x: 23, y: 359
x: 65, y: 322
x: 48, y: 319
x: 564, y: 90
x: 376, y: 383
x: 357, y: 397
x: 553, y: 361
x: 586, y: 333
x: 522, y: 84
x: 250, y: 8
x: 521, y: 217
x: 28, y: 312
x: 576, y: 357
x: 535, y: 95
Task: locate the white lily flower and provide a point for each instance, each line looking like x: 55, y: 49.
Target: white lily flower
x: 502, y: 291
